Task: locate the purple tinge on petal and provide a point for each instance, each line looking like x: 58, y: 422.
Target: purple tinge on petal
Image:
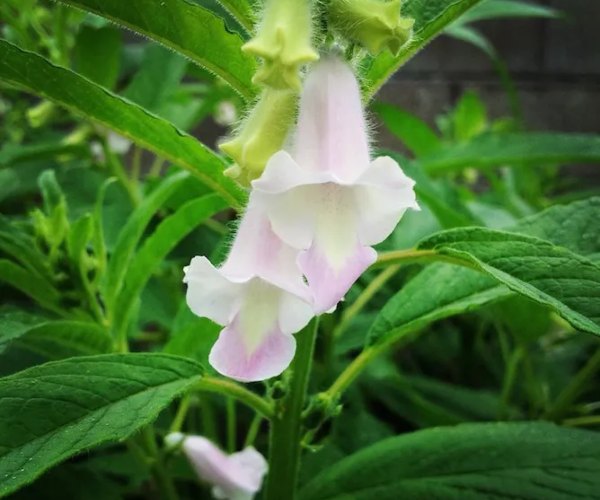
x: 233, y: 477
x: 233, y: 357
x: 258, y: 252
x: 331, y: 135
x: 330, y: 281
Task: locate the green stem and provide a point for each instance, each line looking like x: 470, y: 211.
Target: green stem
x: 286, y: 428
x: 352, y: 371
x: 362, y: 300
x: 116, y: 168
x: 184, y: 406
x: 136, y: 164
x: 159, y: 472
x: 253, y: 430
x: 237, y: 391
x: 416, y: 255
x: 231, y: 425
x: 574, y: 388
x: 509, y: 380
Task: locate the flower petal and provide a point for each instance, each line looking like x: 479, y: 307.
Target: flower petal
x: 294, y: 313
x: 258, y: 251
x: 383, y: 194
x: 234, y: 477
x: 252, y: 466
x: 332, y: 132
x: 209, y: 293
x: 330, y: 279
x: 231, y: 357
x: 253, y: 346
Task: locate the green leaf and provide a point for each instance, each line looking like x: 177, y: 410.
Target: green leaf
x: 526, y: 148
x: 549, y: 275
x: 156, y: 247
x: 96, y: 103
x: 191, y: 336
x: 412, y: 131
x: 440, y: 198
x: 54, y: 411
x: 469, y: 118
x: 469, y: 462
x: 72, y: 481
x: 241, y: 10
x: 54, y: 339
x: 80, y: 234
x: 472, y: 36
x: 418, y: 303
x: 132, y: 232
x: 187, y: 28
x: 159, y: 65
x: 426, y: 402
x: 431, y: 17
x: 32, y: 285
x: 14, y: 154
x: 98, y: 54
x: 575, y: 226
x: 507, y: 9
x: 21, y: 247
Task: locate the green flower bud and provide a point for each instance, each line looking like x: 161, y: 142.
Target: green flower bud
x: 375, y: 24
x: 283, y: 41
x: 40, y: 115
x: 261, y: 134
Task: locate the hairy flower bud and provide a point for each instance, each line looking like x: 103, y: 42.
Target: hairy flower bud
x: 283, y: 41
x: 261, y: 134
x: 375, y: 24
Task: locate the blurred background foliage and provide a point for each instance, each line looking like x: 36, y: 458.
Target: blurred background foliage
x: 75, y: 196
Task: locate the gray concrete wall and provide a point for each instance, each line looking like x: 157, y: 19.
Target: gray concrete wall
x: 555, y: 64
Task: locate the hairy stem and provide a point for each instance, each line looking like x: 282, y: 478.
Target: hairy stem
x: 286, y: 427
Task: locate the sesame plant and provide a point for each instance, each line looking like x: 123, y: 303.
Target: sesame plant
x: 216, y: 283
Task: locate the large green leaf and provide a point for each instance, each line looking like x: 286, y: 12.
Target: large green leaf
x: 187, y: 28
x: 524, y: 148
x: 431, y: 17
x: 469, y: 462
x: 96, y: 103
x: 575, y: 226
x: 51, y: 412
x: 157, y: 246
x: 547, y: 274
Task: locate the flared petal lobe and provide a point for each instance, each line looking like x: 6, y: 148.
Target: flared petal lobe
x: 258, y: 343
x: 234, y: 477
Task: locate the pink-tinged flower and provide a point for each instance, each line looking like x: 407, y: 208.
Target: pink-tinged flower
x: 260, y: 297
x: 237, y: 476
x: 328, y: 199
